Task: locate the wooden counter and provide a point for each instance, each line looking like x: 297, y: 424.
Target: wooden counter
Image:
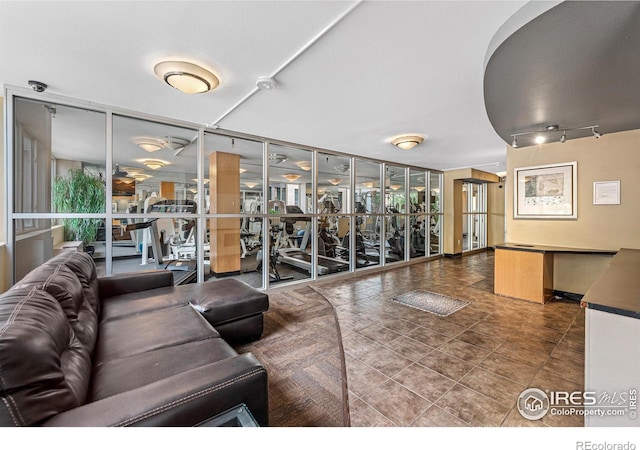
x: 525, y: 271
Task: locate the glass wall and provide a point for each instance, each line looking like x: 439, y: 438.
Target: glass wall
x: 141, y: 193
x: 474, y: 216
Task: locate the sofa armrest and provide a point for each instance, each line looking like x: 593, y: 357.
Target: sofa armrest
x: 134, y: 282
x: 185, y: 399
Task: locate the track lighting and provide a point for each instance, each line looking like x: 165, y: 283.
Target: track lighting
x: 549, y: 133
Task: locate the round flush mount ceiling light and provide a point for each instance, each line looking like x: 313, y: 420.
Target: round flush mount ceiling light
x: 407, y: 142
x: 153, y: 164
x: 186, y: 77
x: 291, y: 176
x: 335, y: 181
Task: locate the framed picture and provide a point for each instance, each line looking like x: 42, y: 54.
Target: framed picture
x: 546, y: 192
x: 606, y: 192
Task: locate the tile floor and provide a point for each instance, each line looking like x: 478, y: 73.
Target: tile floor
x: 406, y: 367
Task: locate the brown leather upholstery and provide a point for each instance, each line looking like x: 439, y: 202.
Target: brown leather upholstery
x: 76, y: 350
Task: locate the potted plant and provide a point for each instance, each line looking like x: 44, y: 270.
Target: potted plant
x: 79, y: 192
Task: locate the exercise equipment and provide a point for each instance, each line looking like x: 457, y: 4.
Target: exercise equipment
x: 297, y: 256
x: 185, y: 270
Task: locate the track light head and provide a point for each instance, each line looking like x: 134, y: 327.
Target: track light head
x: 596, y: 134
x: 514, y: 144
x: 563, y: 138
x: 540, y: 139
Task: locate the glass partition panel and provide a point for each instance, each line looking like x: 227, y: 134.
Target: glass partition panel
x: 59, y: 156
x: 395, y: 190
x: 289, y: 180
x: 367, y: 240
x: 34, y: 247
x: 334, y: 192
x: 435, y: 187
x: 333, y: 244
x: 394, y: 238
x: 152, y: 160
x: 367, y: 196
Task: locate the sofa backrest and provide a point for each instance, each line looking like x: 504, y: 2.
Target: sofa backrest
x: 48, y: 329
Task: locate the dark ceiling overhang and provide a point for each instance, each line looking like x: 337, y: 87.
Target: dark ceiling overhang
x: 576, y: 65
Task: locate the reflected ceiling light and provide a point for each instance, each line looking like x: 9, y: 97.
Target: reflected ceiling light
x: 149, y: 144
x: 153, y: 164
x: 304, y: 165
x: 335, y: 181
x: 242, y: 170
x: 277, y: 157
x: 250, y: 184
x: 407, y: 142
x: 193, y: 190
x: 186, y: 77
x: 368, y: 184
x: 395, y: 187
x: 342, y: 168
x: 291, y: 176
x: 419, y: 188
x: 544, y: 135
x: 140, y: 177
x: 206, y: 180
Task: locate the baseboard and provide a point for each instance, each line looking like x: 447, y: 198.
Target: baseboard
x: 225, y: 274
x: 452, y: 255
x: 568, y: 295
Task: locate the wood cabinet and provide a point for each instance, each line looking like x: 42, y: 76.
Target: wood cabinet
x: 524, y: 274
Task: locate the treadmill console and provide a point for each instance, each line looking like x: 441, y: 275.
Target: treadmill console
x: 294, y: 209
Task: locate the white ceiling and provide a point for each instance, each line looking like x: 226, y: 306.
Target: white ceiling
x: 385, y: 68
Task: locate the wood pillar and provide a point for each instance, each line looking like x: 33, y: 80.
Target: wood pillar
x: 224, y: 186
x: 167, y: 190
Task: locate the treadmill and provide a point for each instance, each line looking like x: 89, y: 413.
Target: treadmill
x: 184, y: 271
x: 299, y: 258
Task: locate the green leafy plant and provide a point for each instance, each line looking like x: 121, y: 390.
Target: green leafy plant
x: 79, y: 192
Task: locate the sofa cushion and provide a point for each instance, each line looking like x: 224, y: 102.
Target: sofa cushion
x: 141, y: 302
x: 82, y: 265
x: 140, y: 333
x: 229, y: 299
x: 123, y: 374
x: 44, y: 368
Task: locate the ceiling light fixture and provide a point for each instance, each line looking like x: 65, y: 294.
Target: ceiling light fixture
x: 149, y: 145
x: 174, y: 143
x: 335, y: 181
x: 304, y: 165
x: 407, y: 142
x: 419, y: 188
x: 291, y: 176
x: 242, y: 170
x: 342, y: 168
x: 153, y: 164
x: 250, y: 184
x: 543, y: 135
x: 368, y: 184
x: 186, y: 77
x: 395, y: 187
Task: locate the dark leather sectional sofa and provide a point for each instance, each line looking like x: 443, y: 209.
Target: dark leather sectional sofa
x: 77, y: 350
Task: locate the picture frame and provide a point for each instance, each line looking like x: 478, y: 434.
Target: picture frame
x: 606, y: 192
x: 546, y: 192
